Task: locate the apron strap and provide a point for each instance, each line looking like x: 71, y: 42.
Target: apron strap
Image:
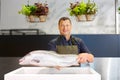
x: 72, y: 41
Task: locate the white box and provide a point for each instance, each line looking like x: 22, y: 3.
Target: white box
x: 44, y: 73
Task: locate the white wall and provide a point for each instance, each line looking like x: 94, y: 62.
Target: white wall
x: 104, y: 22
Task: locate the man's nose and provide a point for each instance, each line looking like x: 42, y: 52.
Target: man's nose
x: 65, y: 27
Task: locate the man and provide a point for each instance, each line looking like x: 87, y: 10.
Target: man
x: 67, y: 44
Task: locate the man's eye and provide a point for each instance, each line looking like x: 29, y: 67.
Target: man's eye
x: 63, y: 25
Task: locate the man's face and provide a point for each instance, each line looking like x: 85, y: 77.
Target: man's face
x: 65, y: 27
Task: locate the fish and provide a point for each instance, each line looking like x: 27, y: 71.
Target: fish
x: 44, y: 58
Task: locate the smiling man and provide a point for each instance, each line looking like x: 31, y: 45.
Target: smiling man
x: 68, y: 44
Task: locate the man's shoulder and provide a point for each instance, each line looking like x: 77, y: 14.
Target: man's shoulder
x: 54, y: 40
x: 77, y: 38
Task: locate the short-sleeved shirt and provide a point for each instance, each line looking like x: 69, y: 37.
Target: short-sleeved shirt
x: 61, y: 40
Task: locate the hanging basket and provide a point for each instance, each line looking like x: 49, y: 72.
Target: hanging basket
x: 81, y: 18
x: 42, y: 18
x: 33, y: 18
x: 30, y: 18
x: 90, y: 17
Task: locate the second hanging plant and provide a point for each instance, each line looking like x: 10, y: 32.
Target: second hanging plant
x: 83, y: 11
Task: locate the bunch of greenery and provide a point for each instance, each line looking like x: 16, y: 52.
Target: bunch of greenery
x: 28, y: 10
x: 77, y: 8
x: 91, y: 7
x: 42, y: 9
x: 80, y: 8
x: 36, y: 10
x: 119, y: 9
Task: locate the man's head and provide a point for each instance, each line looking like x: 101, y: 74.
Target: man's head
x: 65, y: 26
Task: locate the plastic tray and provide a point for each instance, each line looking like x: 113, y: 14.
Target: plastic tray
x: 44, y: 73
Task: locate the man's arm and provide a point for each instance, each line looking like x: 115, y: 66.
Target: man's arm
x: 84, y: 55
x: 52, y: 45
x: 83, y: 47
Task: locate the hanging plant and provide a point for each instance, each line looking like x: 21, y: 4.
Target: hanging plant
x: 28, y: 10
x: 82, y: 9
x: 91, y: 10
x: 77, y: 8
x: 41, y: 11
x: 38, y: 10
x: 91, y: 7
x: 119, y: 10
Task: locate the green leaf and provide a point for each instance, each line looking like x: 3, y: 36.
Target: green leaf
x: 27, y: 10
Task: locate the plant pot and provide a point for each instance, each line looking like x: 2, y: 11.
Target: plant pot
x: 90, y: 17
x: 42, y: 18
x: 81, y: 18
x: 31, y: 18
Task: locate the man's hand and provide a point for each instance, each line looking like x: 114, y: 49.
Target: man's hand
x: 85, y: 57
x: 58, y: 67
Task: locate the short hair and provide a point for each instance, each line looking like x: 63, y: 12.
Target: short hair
x: 63, y: 19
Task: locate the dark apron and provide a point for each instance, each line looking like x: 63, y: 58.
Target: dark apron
x: 72, y: 49
x: 67, y: 49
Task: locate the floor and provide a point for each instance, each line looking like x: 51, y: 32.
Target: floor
x: 8, y: 64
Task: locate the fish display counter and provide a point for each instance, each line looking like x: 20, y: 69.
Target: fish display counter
x: 45, y: 73
x: 108, y: 68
